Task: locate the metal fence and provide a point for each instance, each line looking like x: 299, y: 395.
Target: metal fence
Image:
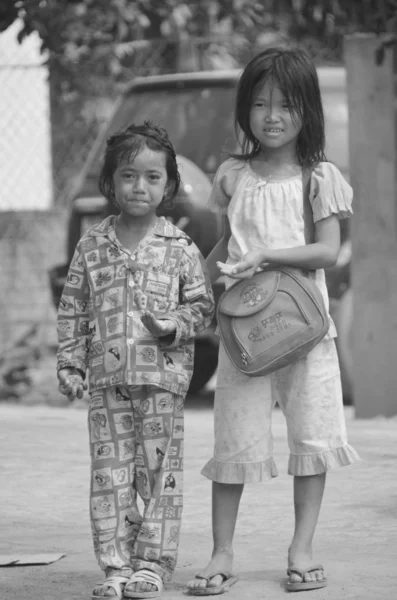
x: 25, y: 137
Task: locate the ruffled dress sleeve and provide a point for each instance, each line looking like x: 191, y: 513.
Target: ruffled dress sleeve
x: 224, y: 185
x: 330, y: 193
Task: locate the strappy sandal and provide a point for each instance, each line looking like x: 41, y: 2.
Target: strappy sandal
x: 114, y: 580
x: 146, y: 576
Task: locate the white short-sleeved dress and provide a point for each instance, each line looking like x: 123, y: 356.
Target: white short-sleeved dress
x: 269, y: 213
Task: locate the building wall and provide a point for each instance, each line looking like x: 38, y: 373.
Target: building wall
x: 32, y: 236
x: 31, y: 242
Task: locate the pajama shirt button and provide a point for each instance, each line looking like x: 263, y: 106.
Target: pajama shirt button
x: 130, y: 313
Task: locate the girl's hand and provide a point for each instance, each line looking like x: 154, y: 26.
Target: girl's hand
x: 71, y: 383
x: 247, y: 266
x: 157, y: 327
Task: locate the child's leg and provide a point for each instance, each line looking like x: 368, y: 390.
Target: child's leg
x: 159, y: 482
x: 308, y: 495
x: 310, y: 395
x: 242, y: 454
x: 115, y: 518
x: 225, y: 502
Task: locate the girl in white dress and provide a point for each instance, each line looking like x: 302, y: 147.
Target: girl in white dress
x: 280, y: 117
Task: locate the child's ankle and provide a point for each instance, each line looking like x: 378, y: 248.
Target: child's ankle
x: 227, y: 550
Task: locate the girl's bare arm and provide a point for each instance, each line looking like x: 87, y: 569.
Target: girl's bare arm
x: 322, y: 253
x: 219, y: 252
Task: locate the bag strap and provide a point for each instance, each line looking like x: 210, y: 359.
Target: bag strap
x: 307, y: 207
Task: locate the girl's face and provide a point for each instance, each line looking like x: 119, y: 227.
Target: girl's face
x: 140, y: 185
x: 273, y: 122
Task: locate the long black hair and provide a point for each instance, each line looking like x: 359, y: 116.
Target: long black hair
x: 127, y: 144
x: 294, y: 72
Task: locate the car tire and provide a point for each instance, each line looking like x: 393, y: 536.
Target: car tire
x: 57, y: 276
x: 205, y: 364
x: 343, y: 322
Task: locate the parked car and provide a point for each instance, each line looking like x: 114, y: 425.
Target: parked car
x: 197, y: 111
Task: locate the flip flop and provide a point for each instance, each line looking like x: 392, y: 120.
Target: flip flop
x: 228, y: 580
x: 298, y: 586
x: 146, y: 576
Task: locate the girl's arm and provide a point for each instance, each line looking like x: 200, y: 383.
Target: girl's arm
x: 321, y: 254
x: 73, y: 320
x: 196, y: 309
x: 219, y: 252
x: 197, y: 316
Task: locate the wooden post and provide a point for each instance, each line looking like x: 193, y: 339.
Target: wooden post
x: 373, y: 168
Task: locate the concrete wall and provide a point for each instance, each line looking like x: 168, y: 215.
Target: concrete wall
x: 373, y: 169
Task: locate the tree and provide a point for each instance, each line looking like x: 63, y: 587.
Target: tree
x: 89, y: 40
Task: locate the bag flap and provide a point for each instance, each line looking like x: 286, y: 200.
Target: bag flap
x: 248, y: 296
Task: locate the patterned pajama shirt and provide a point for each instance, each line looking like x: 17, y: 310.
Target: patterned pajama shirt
x: 136, y: 444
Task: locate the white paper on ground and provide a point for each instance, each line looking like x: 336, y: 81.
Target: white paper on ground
x: 24, y: 560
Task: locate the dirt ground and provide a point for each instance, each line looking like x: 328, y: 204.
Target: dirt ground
x: 44, y: 508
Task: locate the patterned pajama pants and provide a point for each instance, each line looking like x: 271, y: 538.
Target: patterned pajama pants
x: 136, y: 444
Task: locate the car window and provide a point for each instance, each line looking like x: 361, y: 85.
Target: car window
x: 199, y: 121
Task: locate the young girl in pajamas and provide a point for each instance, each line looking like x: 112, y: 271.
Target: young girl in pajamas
x: 280, y: 118
x: 136, y: 295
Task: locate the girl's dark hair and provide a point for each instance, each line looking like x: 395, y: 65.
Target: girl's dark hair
x: 127, y: 144
x: 294, y: 72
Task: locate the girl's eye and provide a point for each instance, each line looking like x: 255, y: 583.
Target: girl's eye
x: 154, y: 177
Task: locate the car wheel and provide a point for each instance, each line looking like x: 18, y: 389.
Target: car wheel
x: 343, y: 321
x: 205, y: 363
x: 57, y: 276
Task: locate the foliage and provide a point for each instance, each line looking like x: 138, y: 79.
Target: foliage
x: 93, y: 46
x: 88, y: 41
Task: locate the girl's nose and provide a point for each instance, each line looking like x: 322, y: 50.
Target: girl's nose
x: 272, y: 113
x: 139, y: 184
x: 272, y: 116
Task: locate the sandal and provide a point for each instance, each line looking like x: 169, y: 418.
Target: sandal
x: 229, y: 579
x: 297, y: 586
x: 113, y: 580
x: 147, y: 576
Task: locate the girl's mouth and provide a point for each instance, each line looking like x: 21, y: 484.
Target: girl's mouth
x: 137, y: 201
x: 273, y: 130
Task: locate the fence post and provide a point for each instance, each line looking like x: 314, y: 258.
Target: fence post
x: 373, y: 167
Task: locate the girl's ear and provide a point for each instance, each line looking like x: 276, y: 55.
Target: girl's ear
x: 112, y: 197
x: 167, y: 203
x: 169, y: 190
